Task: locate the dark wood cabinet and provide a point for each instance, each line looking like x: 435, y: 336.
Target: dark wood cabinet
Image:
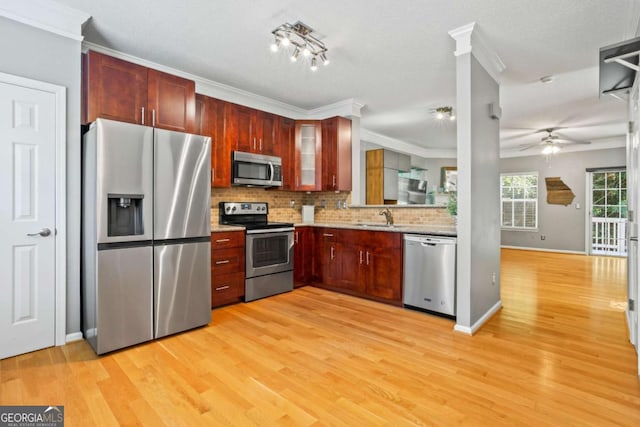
x: 119, y: 90
x: 253, y: 131
x: 227, y: 267
x: 361, y: 263
x: 303, y: 241
x: 336, y: 154
x: 286, y: 132
x: 114, y: 89
x: 308, y: 155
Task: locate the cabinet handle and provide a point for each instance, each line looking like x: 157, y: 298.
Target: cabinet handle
x: 296, y: 237
x: 334, y: 180
x: 260, y: 144
x: 224, y: 261
x: 222, y: 288
x: 360, y: 257
x: 254, y: 142
x: 332, y: 249
x: 327, y: 234
x: 222, y: 240
x: 142, y: 115
x: 367, y: 257
x: 153, y: 118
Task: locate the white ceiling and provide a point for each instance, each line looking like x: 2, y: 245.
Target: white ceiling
x: 396, y: 57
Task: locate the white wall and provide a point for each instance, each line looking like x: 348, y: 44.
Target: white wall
x: 563, y: 227
x: 40, y: 55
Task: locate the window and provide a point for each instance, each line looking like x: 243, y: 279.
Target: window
x: 519, y: 201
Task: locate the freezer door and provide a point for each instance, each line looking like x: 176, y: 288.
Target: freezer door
x: 123, y: 168
x: 123, y: 305
x: 182, y: 187
x: 182, y: 287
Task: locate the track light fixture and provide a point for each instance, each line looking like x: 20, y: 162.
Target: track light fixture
x: 299, y: 35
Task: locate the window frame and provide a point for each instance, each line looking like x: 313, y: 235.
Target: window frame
x: 537, y: 202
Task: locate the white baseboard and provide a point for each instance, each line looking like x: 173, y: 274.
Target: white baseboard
x: 562, y: 251
x: 481, y: 321
x: 76, y: 336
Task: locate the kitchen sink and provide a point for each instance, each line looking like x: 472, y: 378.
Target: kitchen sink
x: 374, y: 224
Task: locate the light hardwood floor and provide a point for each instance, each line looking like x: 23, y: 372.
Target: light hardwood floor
x: 557, y: 354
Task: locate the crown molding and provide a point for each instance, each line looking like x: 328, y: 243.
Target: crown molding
x: 405, y: 147
x: 347, y: 107
x: 469, y: 40
x: 46, y: 15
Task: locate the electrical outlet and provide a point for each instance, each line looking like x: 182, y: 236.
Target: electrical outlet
x: 493, y: 278
x: 543, y: 237
x: 292, y: 203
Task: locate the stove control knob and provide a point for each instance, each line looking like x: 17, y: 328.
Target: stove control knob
x: 228, y: 209
x: 264, y: 208
x: 233, y: 209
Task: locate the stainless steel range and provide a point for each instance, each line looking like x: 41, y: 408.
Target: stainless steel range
x: 269, y: 248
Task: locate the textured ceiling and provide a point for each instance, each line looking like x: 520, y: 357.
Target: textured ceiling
x: 395, y: 57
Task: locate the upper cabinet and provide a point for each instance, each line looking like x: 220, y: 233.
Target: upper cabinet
x: 286, y: 140
x: 336, y: 154
x: 119, y: 90
x: 308, y: 155
x: 254, y: 130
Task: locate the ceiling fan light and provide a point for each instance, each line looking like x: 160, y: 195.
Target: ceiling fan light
x: 314, y: 64
x: 324, y: 59
x: 550, y: 149
x: 439, y: 115
x: 306, y: 51
x: 452, y: 117
x: 285, y: 41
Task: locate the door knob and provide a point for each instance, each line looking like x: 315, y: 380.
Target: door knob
x: 44, y: 233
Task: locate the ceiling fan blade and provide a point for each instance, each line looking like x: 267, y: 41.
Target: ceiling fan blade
x: 515, y: 133
x: 527, y: 146
x: 570, y: 141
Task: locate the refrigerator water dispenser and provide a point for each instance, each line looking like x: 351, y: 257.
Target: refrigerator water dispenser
x: 125, y: 215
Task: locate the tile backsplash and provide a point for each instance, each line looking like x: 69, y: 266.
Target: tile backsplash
x: 328, y: 207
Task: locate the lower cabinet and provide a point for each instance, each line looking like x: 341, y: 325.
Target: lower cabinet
x: 227, y: 267
x: 303, y: 239
x: 361, y: 263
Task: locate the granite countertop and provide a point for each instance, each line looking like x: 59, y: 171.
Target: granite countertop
x: 436, y: 230
x: 218, y: 228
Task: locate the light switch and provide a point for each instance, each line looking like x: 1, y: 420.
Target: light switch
x: 577, y: 205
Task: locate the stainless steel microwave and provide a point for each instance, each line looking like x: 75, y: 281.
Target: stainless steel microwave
x: 256, y: 170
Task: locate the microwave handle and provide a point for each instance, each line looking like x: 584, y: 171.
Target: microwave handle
x: 272, y: 171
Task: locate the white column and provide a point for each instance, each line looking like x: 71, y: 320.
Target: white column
x: 478, y: 266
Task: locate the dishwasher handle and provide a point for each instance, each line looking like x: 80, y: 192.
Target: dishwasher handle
x: 427, y: 240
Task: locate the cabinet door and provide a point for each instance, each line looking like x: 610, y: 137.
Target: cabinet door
x: 383, y: 265
x: 336, y: 154
x: 286, y: 142
x: 266, y: 131
x: 115, y: 89
x: 351, y: 258
x: 171, y: 102
x: 221, y: 124
x: 308, y: 156
x: 302, y: 256
x: 245, y: 129
x: 202, y: 115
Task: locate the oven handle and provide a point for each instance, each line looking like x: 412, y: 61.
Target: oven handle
x: 270, y: 230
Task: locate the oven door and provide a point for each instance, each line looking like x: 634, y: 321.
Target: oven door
x: 269, y: 252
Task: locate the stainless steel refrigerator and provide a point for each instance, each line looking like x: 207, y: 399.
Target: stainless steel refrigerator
x: 146, y: 233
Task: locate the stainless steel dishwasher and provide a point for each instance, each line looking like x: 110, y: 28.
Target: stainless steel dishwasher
x: 430, y: 273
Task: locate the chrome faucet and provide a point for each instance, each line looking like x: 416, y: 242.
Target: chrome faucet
x: 388, y: 215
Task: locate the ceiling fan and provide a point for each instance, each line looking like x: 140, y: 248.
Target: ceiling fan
x: 551, y: 143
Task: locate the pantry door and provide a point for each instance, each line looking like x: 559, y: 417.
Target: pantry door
x: 29, y: 132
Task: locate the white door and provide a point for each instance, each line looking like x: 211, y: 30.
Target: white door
x: 607, y: 208
x: 633, y: 191
x: 27, y: 219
